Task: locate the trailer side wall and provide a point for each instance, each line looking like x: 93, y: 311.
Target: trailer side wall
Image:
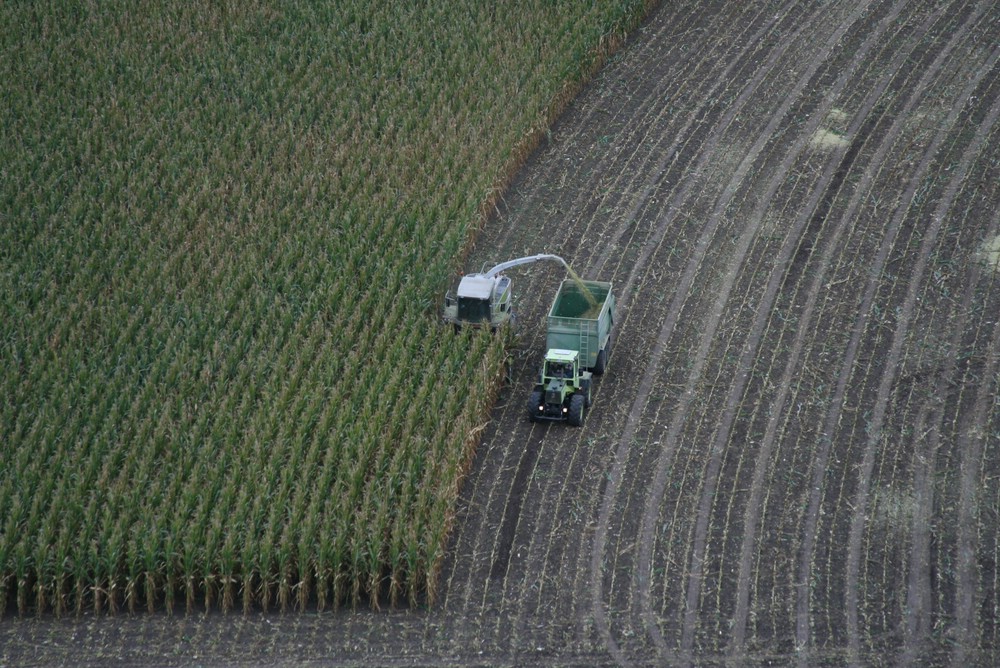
x: 575, y: 324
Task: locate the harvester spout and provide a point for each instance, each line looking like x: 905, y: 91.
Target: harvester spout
x: 523, y: 260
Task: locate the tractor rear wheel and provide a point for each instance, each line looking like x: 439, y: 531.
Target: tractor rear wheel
x: 533, y: 403
x: 577, y: 405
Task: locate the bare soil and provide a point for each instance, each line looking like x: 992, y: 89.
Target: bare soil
x: 792, y: 457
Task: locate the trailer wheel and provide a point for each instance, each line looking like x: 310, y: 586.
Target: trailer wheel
x: 602, y: 359
x: 533, y: 403
x: 576, y: 408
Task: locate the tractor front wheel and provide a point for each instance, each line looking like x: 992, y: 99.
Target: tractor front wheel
x: 577, y: 405
x: 533, y: 403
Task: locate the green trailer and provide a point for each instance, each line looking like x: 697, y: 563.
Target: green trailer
x: 582, y: 322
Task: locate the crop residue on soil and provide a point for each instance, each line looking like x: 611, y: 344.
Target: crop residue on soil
x: 838, y: 116
x: 989, y: 253
x: 828, y: 139
x: 834, y: 135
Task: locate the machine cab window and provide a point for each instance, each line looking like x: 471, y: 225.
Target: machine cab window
x: 559, y: 369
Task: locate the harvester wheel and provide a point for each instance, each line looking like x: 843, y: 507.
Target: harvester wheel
x: 576, y: 408
x: 533, y: 403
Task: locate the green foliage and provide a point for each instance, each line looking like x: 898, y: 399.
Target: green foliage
x: 224, y: 231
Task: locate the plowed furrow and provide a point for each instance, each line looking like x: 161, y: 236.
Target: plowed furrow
x: 557, y: 490
x: 710, y: 325
x: 815, y: 209
x: 977, y: 467
x: 891, y: 362
x: 645, y: 385
x: 832, y: 419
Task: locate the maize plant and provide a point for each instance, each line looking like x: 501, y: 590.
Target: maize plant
x: 221, y: 227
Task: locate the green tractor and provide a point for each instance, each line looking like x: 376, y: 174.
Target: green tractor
x: 563, y: 393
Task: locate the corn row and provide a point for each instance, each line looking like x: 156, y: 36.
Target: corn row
x: 224, y: 232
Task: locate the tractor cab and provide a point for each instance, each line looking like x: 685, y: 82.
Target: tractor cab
x: 559, y: 365
x: 563, y: 391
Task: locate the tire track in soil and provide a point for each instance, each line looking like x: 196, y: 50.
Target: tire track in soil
x: 891, y: 365
x: 636, y: 482
x: 498, y: 461
x: 578, y: 460
x: 514, y: 518
x: 916, y: 620
x: 624, y: 326
x: 585, y: 124
x: 622, y: 330
x: 518, y: 452
x: 821, y: 459
x: 498, y: 454
x: 511, y: 514
x: 919, y: 584
x: 706, y: 153
x: 599, y: 385
x: 814, y: 213
x: 710, y: 478
x: 700, y: 359
x: 657, y: 442
x: 623, y: 117
x: 542, y: 529
x: 614, y: 478
x: 512, y: 510
x: 507, y: 243
x: 682, y: 137
x: 874, y: 606
x: 971, y: 444
x: 919, y: 581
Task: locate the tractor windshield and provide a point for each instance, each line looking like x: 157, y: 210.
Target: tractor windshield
x: 559, y: 370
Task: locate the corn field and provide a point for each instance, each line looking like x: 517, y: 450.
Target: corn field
x: 225, y: 229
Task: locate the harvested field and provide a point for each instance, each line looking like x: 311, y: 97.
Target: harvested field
x: 792, y: 457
